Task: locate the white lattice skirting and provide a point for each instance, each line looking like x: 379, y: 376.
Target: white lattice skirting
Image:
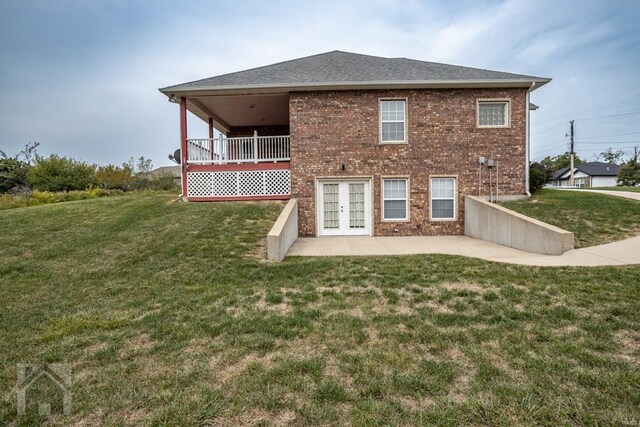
x: 239, y: 183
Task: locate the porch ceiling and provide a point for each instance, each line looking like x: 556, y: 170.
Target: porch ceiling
x: 242, y: 110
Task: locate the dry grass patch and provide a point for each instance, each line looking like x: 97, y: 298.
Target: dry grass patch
x: 629, y: 342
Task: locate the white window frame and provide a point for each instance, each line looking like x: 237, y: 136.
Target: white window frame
x: 455, y: 198
x: 507, y: 115
x: 406, y: 198
x: 380, y: 101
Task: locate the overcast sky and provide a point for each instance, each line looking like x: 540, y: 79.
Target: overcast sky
x: 81, y: 77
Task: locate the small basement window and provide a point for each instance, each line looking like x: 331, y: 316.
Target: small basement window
x: 493, y: 113
x: 392, y: 121
x: 443, y: 199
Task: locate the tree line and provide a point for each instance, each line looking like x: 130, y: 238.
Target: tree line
x: 628, y: 174
x: 27, y: 171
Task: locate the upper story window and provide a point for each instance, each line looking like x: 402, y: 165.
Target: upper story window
x: 393, y: 124
x: 493, y: 114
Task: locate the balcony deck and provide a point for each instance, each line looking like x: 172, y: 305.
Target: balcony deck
x: 245, y: 168
x: 253, y: 149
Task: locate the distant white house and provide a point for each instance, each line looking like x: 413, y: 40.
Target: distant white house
x: 591, y: 174
x: 164, y: 171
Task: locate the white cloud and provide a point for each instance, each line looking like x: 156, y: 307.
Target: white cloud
x: 104, y: 106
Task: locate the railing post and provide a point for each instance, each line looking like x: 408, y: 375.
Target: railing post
x: 255, y: 146
x: 211, y: 134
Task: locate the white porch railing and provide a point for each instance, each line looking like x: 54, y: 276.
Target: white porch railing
x: 252, y: 149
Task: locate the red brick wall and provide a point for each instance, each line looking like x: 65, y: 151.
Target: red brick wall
x: 341, y: 127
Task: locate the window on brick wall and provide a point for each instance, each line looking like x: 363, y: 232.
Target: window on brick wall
x: 394, y: 200
x: 443, y: 199
x: 392, y: 121
x: 493, y: 113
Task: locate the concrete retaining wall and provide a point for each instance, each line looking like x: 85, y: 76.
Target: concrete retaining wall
x: 494, y: 223
x: 284, y: 232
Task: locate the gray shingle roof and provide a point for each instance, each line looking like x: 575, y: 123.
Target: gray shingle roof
x: 598, y: 169
x: 589, y: 168
x: 343, y: 67
x: 558, y: 174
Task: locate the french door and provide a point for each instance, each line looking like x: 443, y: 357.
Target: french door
x: 344, y: 208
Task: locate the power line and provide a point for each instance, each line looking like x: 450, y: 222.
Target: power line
x: 589, y: 118
x: 610, y: 116
x: 548, y: 146
x: 620, y: 148
x: 608, y: 136
x: 606, y: 142
x: 626, y: 150
x: 548, y: 129
x: 546, y: 151
x: 553, y: 144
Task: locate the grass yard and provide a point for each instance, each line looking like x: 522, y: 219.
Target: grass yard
x: 593, y: 218
x: 168, y: 316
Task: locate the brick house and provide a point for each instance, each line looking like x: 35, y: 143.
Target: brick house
x: 367, y: 145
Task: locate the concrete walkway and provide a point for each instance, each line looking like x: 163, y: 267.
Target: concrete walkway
x: 624, y: 252
x: 626, y: 194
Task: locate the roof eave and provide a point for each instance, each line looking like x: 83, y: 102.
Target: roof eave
x: 300, y: 87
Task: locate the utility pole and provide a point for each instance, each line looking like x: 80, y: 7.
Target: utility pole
x: 572, y: 153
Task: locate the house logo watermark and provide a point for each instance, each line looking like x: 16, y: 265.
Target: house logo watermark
x: 44, y: 386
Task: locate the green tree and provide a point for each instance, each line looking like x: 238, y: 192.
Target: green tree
x: 141, y: 165
x: 554, y: 163
x: 30, y: 153
x: 55, y: 173
x: 611, y: 156
x: 13, y: 170
x: 629, y: 173
x: 13, y: 173
x: 111, y: 177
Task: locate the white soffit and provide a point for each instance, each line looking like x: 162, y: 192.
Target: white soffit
x: 248, y: 110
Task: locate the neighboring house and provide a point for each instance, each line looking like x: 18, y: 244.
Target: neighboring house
x: 591, y: 174
x: 164, y: 171
x: 368, y: 145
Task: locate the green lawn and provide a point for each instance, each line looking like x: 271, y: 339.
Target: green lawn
x: 169, y: 316
x: 593, y: 218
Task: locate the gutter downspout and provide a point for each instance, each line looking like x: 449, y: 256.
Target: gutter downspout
x: 528, y: 141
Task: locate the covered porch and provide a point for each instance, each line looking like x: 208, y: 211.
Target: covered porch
x: 245, y: 155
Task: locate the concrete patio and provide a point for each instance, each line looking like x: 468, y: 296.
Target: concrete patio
x: 624, y: 252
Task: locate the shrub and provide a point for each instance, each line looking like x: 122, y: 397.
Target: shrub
x: 8, y: 201
x: 43, y: 198
x: 13, y: 174
x: 56, y: 173
x: 114, y: 177
x: 537, y: 179
x: 629, y: 173
x: 165, y: 183
x: 161, y: 183
x: 37, y: 198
